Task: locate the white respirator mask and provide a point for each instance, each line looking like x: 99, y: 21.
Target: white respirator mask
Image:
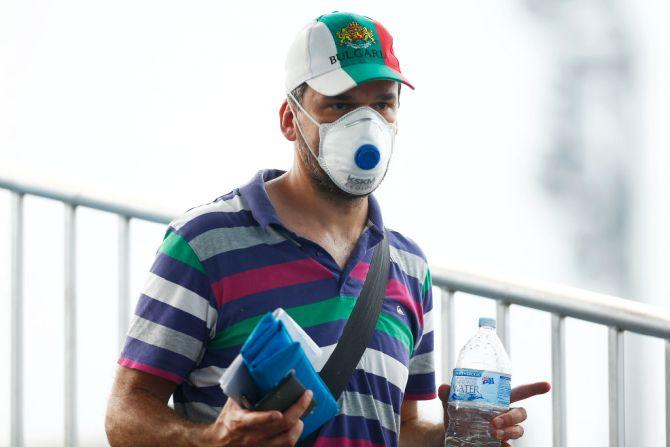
x: 355, y: 150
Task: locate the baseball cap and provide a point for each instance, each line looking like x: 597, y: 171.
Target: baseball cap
x: 339, y: 51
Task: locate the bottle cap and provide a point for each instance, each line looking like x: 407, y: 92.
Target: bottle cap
x: 488, y: 322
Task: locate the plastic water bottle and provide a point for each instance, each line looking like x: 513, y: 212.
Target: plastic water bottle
x: 480, y: 389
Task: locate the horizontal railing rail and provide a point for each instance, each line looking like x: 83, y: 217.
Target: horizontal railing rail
x: 77, y: 198
x: 618, y: 314
x: 608, y: 310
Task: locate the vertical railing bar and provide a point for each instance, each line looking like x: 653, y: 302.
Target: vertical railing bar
x: 617, y: 415
x: 502, y: 323
x: 558, y: 380
x: 667, y: 393
x: 70, y: 327
x: 124, y: 278
x: 448, y: 334
x: 16, y: 322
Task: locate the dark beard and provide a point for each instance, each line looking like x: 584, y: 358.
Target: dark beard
x: 320, y: 179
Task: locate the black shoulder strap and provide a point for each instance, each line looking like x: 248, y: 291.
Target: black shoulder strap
x: 360, y: 325
x: 359, y: 328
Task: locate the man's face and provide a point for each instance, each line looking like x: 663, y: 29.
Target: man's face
x: 381, y: 96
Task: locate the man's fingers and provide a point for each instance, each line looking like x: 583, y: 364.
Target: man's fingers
x: 296, y: 410
x: 255, y: 419
x: 518, y: 393
x: 509, y: 418
x: 290, y: 416
x: 289, y: 437
x: 295, y: 432
x: 443, y: 392
x: 514, y: 432
x: 529, y: 390
x: 289, y: 428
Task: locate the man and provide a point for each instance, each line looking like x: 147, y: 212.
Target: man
x: 301, y: 240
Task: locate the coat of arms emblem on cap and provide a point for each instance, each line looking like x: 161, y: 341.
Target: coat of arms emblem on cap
x: 355, y: 35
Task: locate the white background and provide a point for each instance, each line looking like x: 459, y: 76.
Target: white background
x: 172, y: 104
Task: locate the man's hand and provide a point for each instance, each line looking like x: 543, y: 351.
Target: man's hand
x: 236, y: 426
x: 138, y: 416
x: 506, y: 425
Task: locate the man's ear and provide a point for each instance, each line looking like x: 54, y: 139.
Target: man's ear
x: 286, y: 123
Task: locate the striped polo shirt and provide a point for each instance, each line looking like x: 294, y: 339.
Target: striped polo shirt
x: 225, y: 264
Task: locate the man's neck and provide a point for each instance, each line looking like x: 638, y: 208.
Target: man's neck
x: 300, y: 204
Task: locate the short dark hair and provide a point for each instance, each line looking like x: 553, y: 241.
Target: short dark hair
x: 299, y: 92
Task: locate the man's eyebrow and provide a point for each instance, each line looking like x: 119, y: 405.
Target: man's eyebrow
x: 342, y: 97
x: 387, y: 96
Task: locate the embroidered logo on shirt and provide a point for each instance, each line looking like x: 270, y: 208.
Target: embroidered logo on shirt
x: 399, y: 309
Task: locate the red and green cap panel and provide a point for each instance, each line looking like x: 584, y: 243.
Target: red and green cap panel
x: 339, y: 51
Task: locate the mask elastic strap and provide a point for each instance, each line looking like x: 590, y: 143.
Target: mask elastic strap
x: 297, y: 123
x: 303, y: 110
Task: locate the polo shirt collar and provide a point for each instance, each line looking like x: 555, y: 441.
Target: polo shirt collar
x: 256, y: 196
x: 375, y: 222
x: 265, y: 214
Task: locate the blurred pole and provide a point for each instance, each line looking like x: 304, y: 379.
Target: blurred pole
x: 617, y: 416
x: 587, y: 167
x: 590, y: 160
x: 667, y: 393
x: 70, y: 327
x: 503, y: 327
x: 558, y: 380
x: 124, y: 275
x: 448, y: 331
x: 16, y: 322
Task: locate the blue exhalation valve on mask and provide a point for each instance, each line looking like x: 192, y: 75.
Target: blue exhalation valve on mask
x: 367, y: 156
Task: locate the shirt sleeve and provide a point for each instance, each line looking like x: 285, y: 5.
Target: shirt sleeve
x: 421, y: 380
x: 175, y: 314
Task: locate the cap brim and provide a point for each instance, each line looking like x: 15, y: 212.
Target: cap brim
x: 340, y: 80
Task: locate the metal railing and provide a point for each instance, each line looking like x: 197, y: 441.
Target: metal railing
x: 71, y: 201
x: 618, y: 314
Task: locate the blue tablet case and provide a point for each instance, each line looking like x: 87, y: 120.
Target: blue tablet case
x: 270, y: 354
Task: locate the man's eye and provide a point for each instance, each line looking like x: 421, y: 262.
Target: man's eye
x: 382, y: 106
x: 339, y: 106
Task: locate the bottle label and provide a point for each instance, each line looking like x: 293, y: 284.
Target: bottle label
x: 488, y: 387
